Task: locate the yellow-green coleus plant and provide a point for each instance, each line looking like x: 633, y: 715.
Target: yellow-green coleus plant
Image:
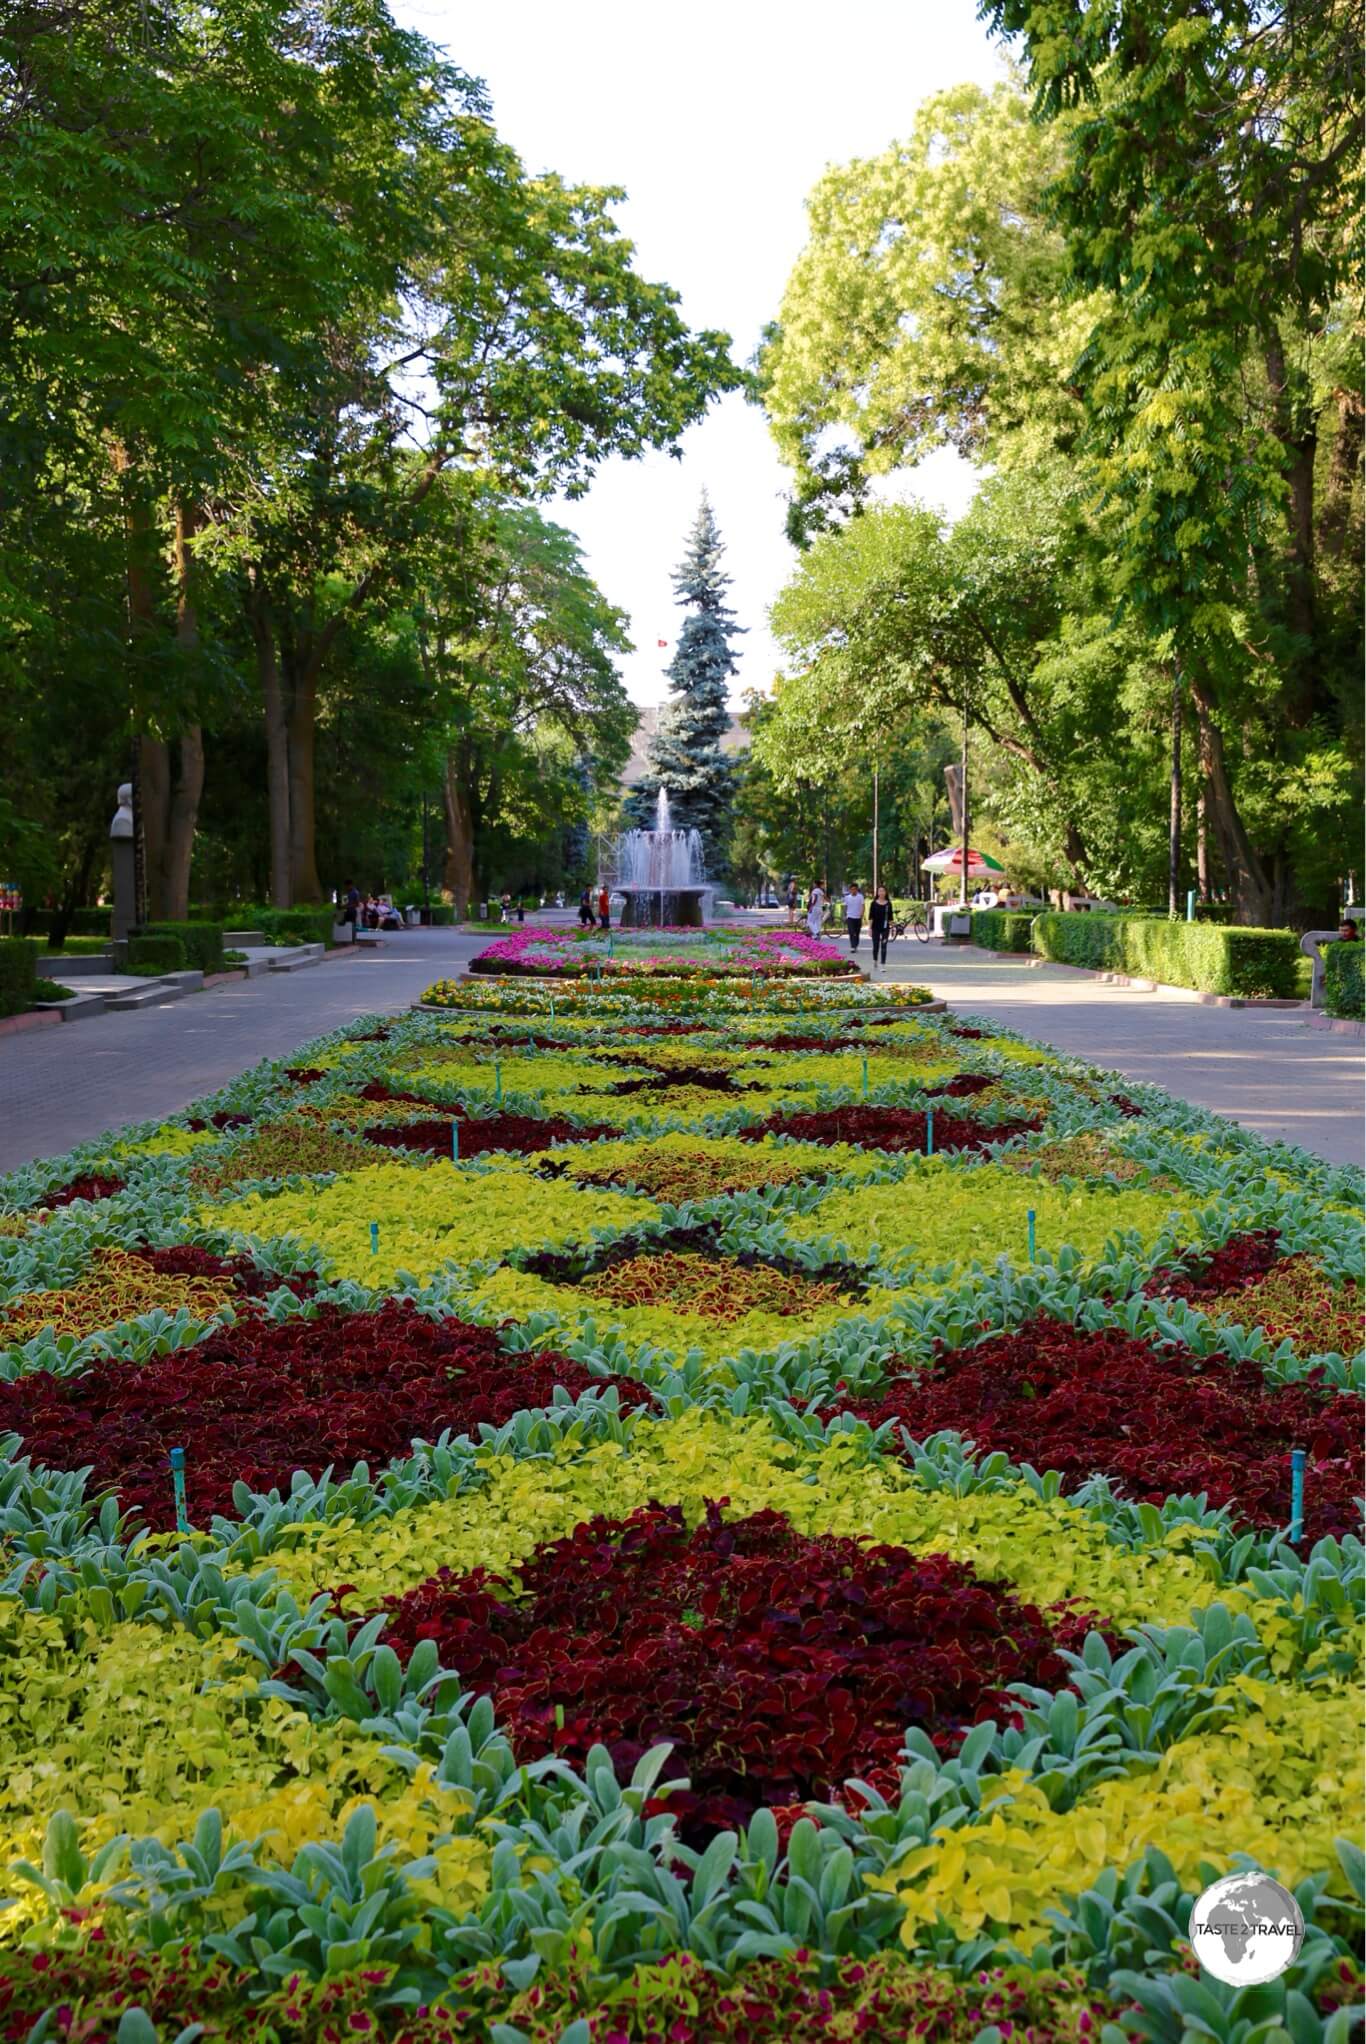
x: 946, y: 1214
x: 427, y: 1221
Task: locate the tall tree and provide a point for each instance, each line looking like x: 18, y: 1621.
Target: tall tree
x: 1209, y: 197
x: 686, y: 757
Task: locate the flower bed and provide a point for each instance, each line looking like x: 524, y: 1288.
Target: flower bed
x: 663, y: 954
x: 668, y: 1558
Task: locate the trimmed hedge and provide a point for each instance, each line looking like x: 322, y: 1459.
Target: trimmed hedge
x: 294, y: 925
x: 1213, y: 958
x: 1342, y: 982
x: 1002, y: 929
x: 202, y: 943
x: 18, y: 975
x: 151, y: 956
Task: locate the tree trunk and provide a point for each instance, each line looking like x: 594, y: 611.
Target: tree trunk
x: 1248, y: 881
x: 303, y: 862
x: 1174, y: 826
x: 154, y: 791
x: 1298, y: 436
x: 1335, y: 516
x: 182, y: 815
x: 458, y: 862
x: 277, y: 738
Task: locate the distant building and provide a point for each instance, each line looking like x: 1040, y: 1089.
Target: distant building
x: 638, y: 765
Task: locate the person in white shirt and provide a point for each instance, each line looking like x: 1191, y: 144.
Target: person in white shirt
x: 815, y: 910
x: 853, y: 913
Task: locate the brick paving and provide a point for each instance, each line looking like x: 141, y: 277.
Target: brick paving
x: 62, y: 1086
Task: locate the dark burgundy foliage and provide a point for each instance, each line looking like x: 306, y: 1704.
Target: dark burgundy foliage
x: 571, y: 1266
x: 888, y: 1128
x: 1127, y: 1107
x: 963, y: 1085
x: 223, y: 1120
x: 259, y: 1400
x: 90, y: 1187
x: 1157, y: 1422
x: 680, y: 1075
x: 778, y: 1664
x: 304, y: 1075
x: 1242, y: 1261
x: 238, y: 1271
x: 520, y: 1132
x: 974, y: 1034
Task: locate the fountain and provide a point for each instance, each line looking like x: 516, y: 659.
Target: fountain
x: 660, y: 874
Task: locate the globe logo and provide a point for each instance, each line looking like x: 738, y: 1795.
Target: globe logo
x: 1246, y: 1929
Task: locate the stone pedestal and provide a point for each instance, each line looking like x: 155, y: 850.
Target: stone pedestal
x: 123, y: 859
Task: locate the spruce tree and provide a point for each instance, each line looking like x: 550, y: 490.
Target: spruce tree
x: 686, y: 756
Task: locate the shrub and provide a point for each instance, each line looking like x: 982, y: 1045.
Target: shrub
x: 1081, y: 939
x: 296, y: 925
x: 1213, y: 958
x: 1342, y: 980
x: 999, y: 929
x: 202, y: 943
x: 48, y: 990
x: 17, y: 976
x: 151, y: 956
x: 441, y: 913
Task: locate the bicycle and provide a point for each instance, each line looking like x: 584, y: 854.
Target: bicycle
x: 914, y: 927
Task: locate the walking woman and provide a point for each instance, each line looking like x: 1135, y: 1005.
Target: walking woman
x: 880, y: 924
x: 815, y: 910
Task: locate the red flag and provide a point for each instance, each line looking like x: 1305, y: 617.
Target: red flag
x: 661, y: 642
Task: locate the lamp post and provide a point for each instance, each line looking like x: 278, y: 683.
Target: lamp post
x: 875, y: 824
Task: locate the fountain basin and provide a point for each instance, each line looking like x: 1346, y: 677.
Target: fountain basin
x: 663, y: 908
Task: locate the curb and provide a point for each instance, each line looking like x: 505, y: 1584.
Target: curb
x: 35, y: 1018
x: 1339, y: 1025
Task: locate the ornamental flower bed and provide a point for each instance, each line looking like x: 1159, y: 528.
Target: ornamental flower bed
x: 1159, y: 1422
x: 256, y: 1403
x: 690, y: 1565
x: 663, y: 954
x: 777, y: 1665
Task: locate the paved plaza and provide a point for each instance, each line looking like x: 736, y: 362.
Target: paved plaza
x: 1263, y: 1067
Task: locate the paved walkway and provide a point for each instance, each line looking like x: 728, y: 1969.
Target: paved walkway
x: 61, y: 1086
x: 1263, y: 1067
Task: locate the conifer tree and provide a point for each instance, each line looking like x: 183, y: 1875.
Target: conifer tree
x: 686, y: 756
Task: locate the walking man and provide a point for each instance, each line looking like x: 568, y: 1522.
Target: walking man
x: 853, y: 913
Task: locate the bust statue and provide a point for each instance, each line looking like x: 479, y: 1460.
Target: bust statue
x: 122, y: 825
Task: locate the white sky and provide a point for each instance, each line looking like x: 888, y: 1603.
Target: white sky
x: 718, y: 118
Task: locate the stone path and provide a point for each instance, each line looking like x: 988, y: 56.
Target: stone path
x: 1264, y: 1067
x: 62, y: 1086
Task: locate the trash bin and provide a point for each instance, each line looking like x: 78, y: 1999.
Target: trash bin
x: 483, y: 911
x: 412, y: 917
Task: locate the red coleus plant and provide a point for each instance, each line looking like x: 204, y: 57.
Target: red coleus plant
x: 1242, y: 1260
x: 259, y: 1400
x: 478, y: 1133
x: 889, y: 1128
x: 1156, y: 1421
x: 92, y: 1186
x: 778, y: 1664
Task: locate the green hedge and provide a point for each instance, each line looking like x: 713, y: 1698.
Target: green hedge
x: 1214, y: 958
x: 1342, y: 993
x: 151, y: 956
x: 293, y: 925
x: 1082, y: 939
x: 1002, y: 929
x: 202, y: 943
x: 18, y: 974
x: 441, y: 913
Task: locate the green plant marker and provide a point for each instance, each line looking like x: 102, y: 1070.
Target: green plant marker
x: 455, y: 1141
x: 1030, y: 1218
x: 609, y: 943
x: 1190, y: 905
x: 374, y: 1238
x: 865, y: 1078
x: 929, y: 1131
x: 177, y: 1462
x: 1296, y: 1494
x: 497, y: 1083
x: 559, y: 1717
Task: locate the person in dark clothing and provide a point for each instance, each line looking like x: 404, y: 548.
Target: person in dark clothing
x: 880, y: 924
x: 351, y: 912
x: 586, y: 909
